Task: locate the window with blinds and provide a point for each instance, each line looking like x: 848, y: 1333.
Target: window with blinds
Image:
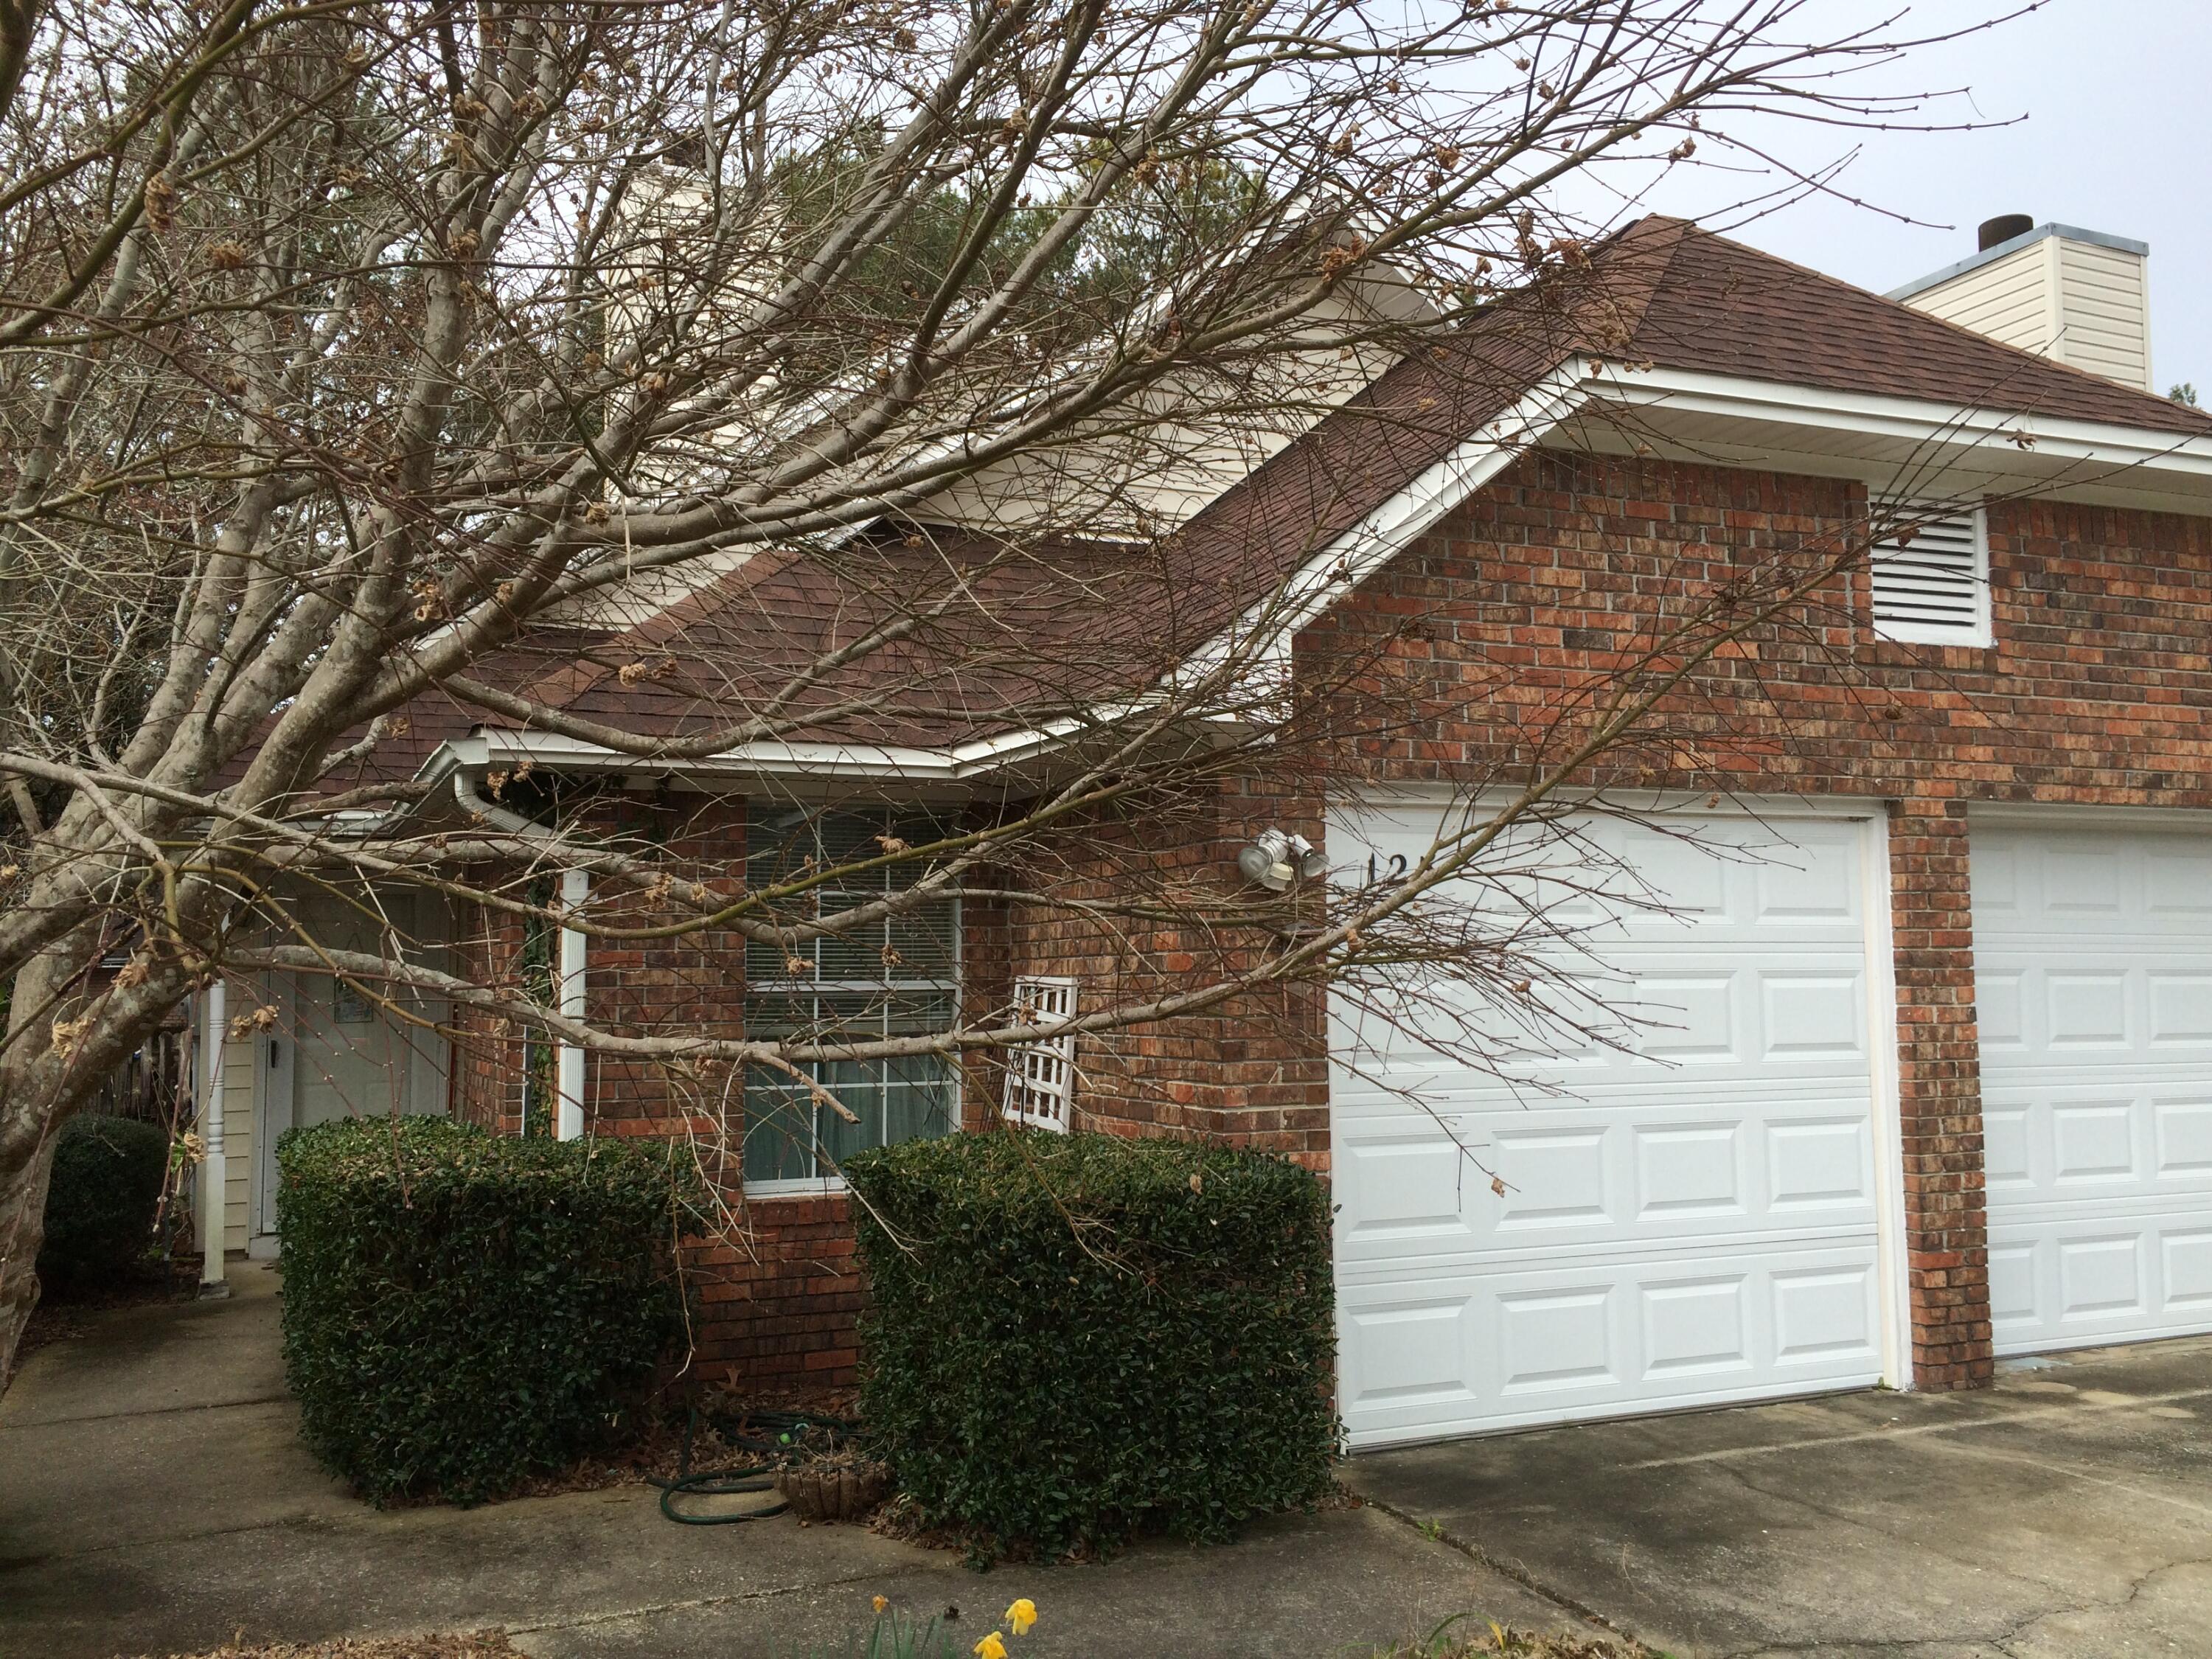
x: 895, y: 974
x: 1931, y: 575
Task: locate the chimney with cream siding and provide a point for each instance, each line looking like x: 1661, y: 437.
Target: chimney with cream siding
x: 2078, y: 296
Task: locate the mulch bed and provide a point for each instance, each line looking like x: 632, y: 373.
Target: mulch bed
x: 658, y: 1452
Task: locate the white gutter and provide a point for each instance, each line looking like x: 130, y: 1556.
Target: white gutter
x: 214, y: 1173
x: 570, y: 980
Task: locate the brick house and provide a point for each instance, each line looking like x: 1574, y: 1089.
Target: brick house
x: 1934, y: 1084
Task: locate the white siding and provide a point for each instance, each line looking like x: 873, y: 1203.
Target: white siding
x: 238, y: 1127
x: 2082, y: 303
x: 2009, y: 300
x: 2106, y: 312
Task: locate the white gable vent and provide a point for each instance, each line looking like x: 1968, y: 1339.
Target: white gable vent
x: 1931, y: 574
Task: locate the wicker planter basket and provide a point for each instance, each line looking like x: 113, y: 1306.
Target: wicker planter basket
x: 834, y: 1491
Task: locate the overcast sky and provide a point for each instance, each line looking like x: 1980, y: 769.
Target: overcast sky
x: 2115, y: 138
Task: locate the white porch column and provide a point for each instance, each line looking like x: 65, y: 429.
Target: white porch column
x: 214, y: 1174
x: 568, y: 1057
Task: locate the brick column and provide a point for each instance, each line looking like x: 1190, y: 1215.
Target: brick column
x: 1940, y: 1095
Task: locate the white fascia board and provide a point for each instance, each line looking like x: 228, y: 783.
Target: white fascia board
x: 954, y: 764
x: 2137, y: 448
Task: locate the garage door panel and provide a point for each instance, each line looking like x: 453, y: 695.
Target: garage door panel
x: 2063, y: 1144
x: 2093, y: 987
x: 1689, y: 1211
x: 1652, y: 1015
x: 1617, y: 1163
x: 1492, y: 1348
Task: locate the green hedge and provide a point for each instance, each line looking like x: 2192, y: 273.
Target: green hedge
x: 462, y: 1310
x: 99, y: 1210
x: 1073, y: 1338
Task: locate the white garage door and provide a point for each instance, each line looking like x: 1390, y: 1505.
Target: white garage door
x: 1695, y: 1222
x: 2093, y: 976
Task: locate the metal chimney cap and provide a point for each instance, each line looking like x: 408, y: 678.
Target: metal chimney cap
x: 2002, y: 229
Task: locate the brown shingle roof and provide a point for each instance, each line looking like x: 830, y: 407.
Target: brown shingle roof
x: 1717, y: 306
x: 1023, y: 631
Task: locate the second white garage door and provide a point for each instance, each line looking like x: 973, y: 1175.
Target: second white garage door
x: 2092, y: 978
x: 1694, y: 1223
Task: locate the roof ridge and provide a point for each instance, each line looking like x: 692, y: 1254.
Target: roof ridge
x: 1653, y: 239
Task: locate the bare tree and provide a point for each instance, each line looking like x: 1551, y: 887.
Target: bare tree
x: 364, y: 365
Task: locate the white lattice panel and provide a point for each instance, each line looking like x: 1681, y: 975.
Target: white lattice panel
x: 1040, y: 1076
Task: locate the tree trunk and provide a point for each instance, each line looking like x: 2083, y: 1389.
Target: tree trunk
x: 22, y: 1230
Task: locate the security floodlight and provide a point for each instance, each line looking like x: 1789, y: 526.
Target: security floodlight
x: 1277, y: 859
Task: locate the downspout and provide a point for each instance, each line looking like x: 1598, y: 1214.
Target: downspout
x: 575, y: 889
x: 214, y: 1174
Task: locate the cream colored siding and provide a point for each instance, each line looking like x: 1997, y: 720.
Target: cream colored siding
x: 2083, y: 303
x: 238, y: 1127
x: 2107, y: 312
x: 2009, y: 300
x: 238, y: 1119
x: 1144, y: 478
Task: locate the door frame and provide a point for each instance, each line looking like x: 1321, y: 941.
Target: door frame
x: 1884, y: 1031
x: 274, y: 1093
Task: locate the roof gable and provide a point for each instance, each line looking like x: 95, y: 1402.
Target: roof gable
x: 1721, y: 308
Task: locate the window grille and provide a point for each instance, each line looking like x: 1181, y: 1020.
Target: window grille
x: 897, y: 975
x: 1931, y: 575
x: 1040, y: 1076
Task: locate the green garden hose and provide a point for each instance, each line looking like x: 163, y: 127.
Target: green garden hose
x: 774, y: 1435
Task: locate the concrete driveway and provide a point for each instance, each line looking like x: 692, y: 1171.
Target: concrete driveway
x: 2064, y: 1514
x: 154, y: 1498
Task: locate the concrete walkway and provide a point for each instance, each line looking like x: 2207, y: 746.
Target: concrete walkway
x: 154, y: 1498
x: 2065, y: 1514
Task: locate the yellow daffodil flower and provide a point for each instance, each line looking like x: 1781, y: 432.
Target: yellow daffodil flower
x: 993, y: 1646
x: 1022, y: 1615
x: 881, y: 1602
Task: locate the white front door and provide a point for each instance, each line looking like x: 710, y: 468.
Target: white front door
x: 2092, y: 983
x: 335, y: 1052
x: 1688, y: 1222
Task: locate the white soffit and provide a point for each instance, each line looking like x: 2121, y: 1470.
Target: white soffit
x: 1726, y: 420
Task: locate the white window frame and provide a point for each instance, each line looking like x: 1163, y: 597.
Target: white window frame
x: 1040, y: 1091
x: 817, y: 1186
x: 1980, y: 632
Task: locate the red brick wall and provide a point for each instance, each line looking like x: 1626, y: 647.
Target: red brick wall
x: 486, y: 1083
x: 1939, y: 1087
x: 1251, y: 1072
x: 2097, y: 691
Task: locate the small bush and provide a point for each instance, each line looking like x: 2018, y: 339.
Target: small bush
x: 99, y: 1210
x: 463, y: 1310
x: 1072, y: 1339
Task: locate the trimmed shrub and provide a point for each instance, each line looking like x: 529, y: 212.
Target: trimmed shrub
x: 463, y: 1310
x: 1073, y: 1338
x: 99, y: 1210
